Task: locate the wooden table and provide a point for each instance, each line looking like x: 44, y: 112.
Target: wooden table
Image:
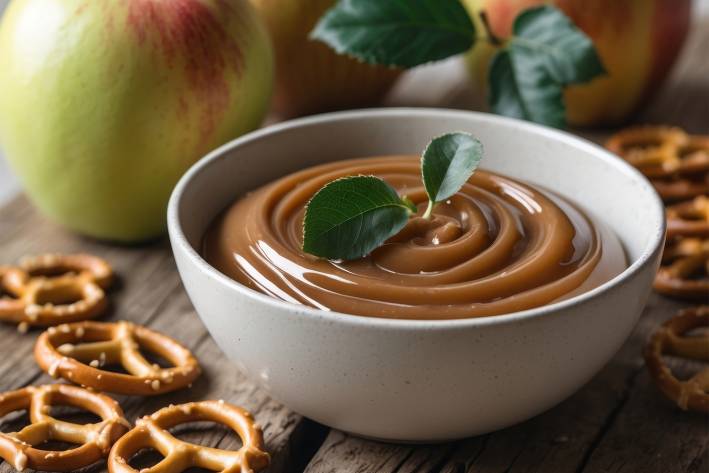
x: 618, y: 422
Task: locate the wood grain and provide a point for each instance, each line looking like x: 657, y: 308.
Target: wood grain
x: 618, y: 422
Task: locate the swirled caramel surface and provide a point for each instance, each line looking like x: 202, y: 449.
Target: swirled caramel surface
x: 497, y: 246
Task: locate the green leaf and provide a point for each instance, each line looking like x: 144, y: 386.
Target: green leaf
x: 402, y: 33
x: 520, y: 89
x: 569, y: 54
x: 350, y: 217
x: 448, y: 162
x: 546, y: 53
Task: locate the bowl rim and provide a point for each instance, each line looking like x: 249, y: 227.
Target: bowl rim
x: 178, y: 238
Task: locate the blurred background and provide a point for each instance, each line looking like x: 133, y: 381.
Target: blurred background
x: 442, y: 84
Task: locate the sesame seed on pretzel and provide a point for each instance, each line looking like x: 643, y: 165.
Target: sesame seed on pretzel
x: 690, y: 218
x: 77, y: 352
x: 685, y: 268
x: 20, y: 449
x: 152, y: 432
x: 670, y: 339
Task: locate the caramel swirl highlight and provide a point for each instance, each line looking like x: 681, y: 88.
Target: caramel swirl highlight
x: 497, y: 246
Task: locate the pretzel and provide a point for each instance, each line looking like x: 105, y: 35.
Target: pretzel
x: 52, y: 265
x: 689, y: 218
x: 685, y: 269
x: 76, y: 352
x: 683, y: 188
x: 11, y: 306
x: 19, y: 448
x: 693, y: 393
x: 660, y: 151
x: 152, y: 432
x: 58, y: 300
x: 52, y: 289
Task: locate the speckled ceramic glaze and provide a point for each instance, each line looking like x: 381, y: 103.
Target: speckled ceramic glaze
x: 419, y: 380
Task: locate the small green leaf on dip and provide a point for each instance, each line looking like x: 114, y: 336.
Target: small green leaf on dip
x: 447, y: 164
x: 350, y: 217
x: 546, y: 53
x: 397, y: 33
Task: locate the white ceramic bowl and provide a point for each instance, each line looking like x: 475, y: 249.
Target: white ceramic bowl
x: 419, y: 380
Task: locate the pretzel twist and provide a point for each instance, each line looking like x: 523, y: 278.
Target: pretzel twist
x: 94, y: 440
x: 685, y: 269
x: 693, y: 393
x: 152, y: 432
x: 689, y: 218
x: 676, y: 163
x: 53, y: 289
x: 76, y: 352
x: 660, y: 151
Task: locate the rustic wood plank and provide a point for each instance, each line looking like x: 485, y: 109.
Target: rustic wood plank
x: 344, y: 453
x: 149, y: 292
x: 618, y: 422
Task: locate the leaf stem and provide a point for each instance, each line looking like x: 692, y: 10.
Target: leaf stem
x: 491, y: 37
x: 429, y: 210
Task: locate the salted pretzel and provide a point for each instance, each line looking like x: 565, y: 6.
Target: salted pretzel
x: 20, y: 449
x: 661, y: 151
x: 685, y: 269
x: 693, y: 393
x: 77, y: 352
x: 51, y: 265
x: 53, y: 289
x: 54, y: 301
x: 152, y: 432
x: 690, y: 218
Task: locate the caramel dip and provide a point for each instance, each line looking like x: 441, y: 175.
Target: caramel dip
x: 497, y: 246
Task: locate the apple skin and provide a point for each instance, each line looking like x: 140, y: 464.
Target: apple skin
x: 637, y: 40
x: 104, y: 104
x: 311, y: 77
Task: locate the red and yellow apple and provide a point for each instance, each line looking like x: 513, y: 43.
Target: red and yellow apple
x: 311, y: 77
x: 104, y: 104
x: 637, y: 40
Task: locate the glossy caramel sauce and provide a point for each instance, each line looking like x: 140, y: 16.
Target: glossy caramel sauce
x: 497, y: 246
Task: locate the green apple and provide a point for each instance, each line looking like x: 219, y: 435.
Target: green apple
x: 105, y: 103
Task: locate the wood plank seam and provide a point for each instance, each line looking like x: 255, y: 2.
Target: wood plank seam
x: 611, y: 418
